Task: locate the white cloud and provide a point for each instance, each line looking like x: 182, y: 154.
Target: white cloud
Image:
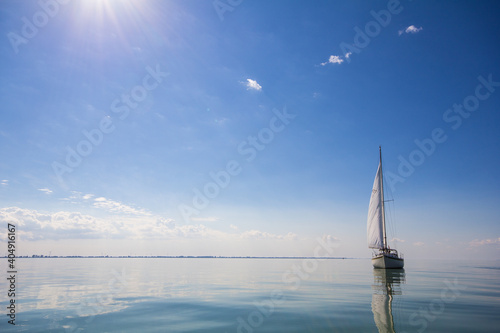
x: 253, y: 85
x: 78, y: 197
x: 169, y: 223
x: 333, y: 60
x: 46, y: 190
x: 4, y: 182
x: 232, y: 226
x: 483, y: 242
x: 336, y: 59
x: 118, y: 207
x: 419, y: 244
x: 332, y: 240
x: 34, y: 225
x: 410, y: 30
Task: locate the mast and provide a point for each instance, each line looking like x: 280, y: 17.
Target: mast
x: 382, y: 198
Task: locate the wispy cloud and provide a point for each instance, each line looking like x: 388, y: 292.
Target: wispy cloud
x: 45, y: 190
x: 78, y: 197
x: 205, y: 219
x: 221, y: 121
x: 253, y: 85
x: 257, y: 234
x: 418, y: 244
x: 335, y: 59
x: 4, y: 182
x: 397, y: 240
x: 483, y: 242
x: 410, y: 30
x: 118, y: 207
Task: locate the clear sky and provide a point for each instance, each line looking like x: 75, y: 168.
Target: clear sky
x: 249, y: 127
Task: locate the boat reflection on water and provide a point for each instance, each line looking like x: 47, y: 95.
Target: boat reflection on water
x: 387, y: 283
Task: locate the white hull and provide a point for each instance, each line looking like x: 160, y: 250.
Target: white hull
x: 387, y: 261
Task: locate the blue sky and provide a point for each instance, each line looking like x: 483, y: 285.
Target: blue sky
x: 117, y: 114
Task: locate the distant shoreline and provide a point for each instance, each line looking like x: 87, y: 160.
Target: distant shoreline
x: 168, y: 257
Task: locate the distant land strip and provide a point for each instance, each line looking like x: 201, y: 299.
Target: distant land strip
x: 175, y: 257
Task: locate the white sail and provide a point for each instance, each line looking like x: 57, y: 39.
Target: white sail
x: 375, y: 227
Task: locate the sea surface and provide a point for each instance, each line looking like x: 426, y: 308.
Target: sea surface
x: 251, y: 295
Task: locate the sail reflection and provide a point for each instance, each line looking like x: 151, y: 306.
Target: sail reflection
x: 387, y: 283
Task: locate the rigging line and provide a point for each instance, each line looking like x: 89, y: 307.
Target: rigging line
x: 389, y: 221
x: 394, y: 217
x: 392, y: 223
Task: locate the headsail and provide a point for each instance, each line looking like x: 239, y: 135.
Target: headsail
x: 375, y: 214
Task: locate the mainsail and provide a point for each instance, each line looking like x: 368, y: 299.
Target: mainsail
x: 375, y: 214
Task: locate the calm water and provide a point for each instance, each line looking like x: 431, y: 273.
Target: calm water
x: 252, y: 295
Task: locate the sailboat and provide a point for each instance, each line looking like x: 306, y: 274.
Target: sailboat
x: 377, y: 239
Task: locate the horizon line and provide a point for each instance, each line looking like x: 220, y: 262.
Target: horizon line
x: 174, y: 257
